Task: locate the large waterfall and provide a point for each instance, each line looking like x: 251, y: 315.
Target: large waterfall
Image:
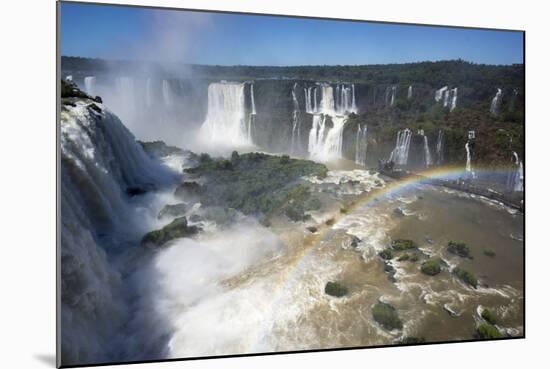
x: 454, y: 97
x: 225, y: 123
x: 89, y: 85
x: 296, y: 140
x: 252, y: 115
x: 515, y: 178
x: 495, y: 102
x: 149, y: 92
x: 400, y: 154
x: 361, y: 145
x: 100, y: 159
x: 439, y: 147
x: 439, y: 93
x: 448, y: 96
x: 126, y: 92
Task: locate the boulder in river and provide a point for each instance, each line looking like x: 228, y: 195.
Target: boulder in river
x: 175, y: 210
x: 178, y: 228
x: 386, y: 315
x: 335, y: 289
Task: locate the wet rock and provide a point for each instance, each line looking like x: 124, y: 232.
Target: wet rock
x: 178, y: 228
x: 335, y: 289
x: 188, y: 189
x: 136, y: 191
x: 175, y: 210
x: 386, y: 254
x: 450, y: 311
x: 399, y: 212
x: 195, y: 218
x: 312, y: 229
x: 355, y: 241
x: 386, y: 315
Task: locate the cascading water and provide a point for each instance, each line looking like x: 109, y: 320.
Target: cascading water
x: 225, y: 123
x: 296, y: 140
x: 454, y: 97
x: 400, y: 154
x: 439, y: 147
x: 427, y: 154
x: 409, y: 92
x: 495, y: 102
x: 468, y: 168
x: 89, y: 85
x: 100, y: 159
x: 126, y: 92
x: 149, y: 92
x: 252, y: 115
x: 361, y: 145
x: 515, y: 177
x: 393, y: 91
x: 439, y: 93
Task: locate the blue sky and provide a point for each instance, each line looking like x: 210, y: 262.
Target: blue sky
x: 113, y: 32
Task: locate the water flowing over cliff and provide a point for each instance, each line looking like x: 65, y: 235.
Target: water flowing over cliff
x: 400, y: 154
x: 100, y: 163
x: 226, y: 123
x: 495, y: 102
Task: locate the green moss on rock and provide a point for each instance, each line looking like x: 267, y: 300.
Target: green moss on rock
x: 386, y: 254
x: 401, y: 245
x: 431, y: 267
x: 489, y: 316
x: 335, y: 289
x: 488, y: 331
x: 466, y: 276
x: 178, y: 228
x: 386, y: 315
x: 459, y: 248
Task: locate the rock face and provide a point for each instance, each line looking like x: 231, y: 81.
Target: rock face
x: 177, y: 229
x: 175, y: 210
x: 335, y: 289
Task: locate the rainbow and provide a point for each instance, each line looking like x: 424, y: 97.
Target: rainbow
x: 392, y: 187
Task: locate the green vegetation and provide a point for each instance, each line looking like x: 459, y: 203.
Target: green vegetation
x: 466, y: 276
x: 189, y: 189
x: 459, y: 248
x: 158, y: 149
x: 257, y: 183
x: 489, y: 316
x: 175, y: 210
x: 335, y: 289
x: 94, y: 107
x: 488, y: 331
x: 401, y: 245
x: 489, y: 252
x: 411, y: 340
x: 431, y: 267
x: 386, y: 315
x: 386, y: 254
x: 414, y: 258
x: 177, y: 229
x: 403, y: 257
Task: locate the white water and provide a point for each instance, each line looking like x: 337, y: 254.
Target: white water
x: 496, y: 102
x: 126, y: 92
x: 400, y: 154
x: 326, y: 144
x: 361, y: 145
x: 439, y: 147
x: 469, y: 169
x: 427, y: 154
x: 89, y: 85
x: 167, y: 97
x: 515, y: 179
x: 225, y: 123
x: 148, y: 92
x: 252, y: 115
x: 393, y: 91
x: 446, y: 98
x: 410, y: 92
x: 439, y: 93
x: 296, y: 140
x: 100, y: 159
x: 252, y: 103
x: 454, y: 97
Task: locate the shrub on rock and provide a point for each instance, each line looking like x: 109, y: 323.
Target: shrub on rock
x: 386, y: 315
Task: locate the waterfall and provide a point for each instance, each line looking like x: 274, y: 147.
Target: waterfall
x: 446, y: 98
x: 400, y: 154
x: 345, y: 99
x: 100, y: 159
x: 439, y: 93
x: 390, y: 95
x: 427, y: 155
x: 454, y: 97
x: 409, y: 92
x: 166, y: 93
x: 327, y: 100
x: 495, y: 102
x: 326, y: 145
x: 225, y: 122
x: 353, y: 104
x: 296, y: 141
x: 89, y: 85
x: 252, y: 103
x: 315, y: 110
x: 393, y: 91
x: 439, y: 147
x: 469, y: 169
x: 515, y: 177
x: 316, y: 134
x: 361, y: 145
